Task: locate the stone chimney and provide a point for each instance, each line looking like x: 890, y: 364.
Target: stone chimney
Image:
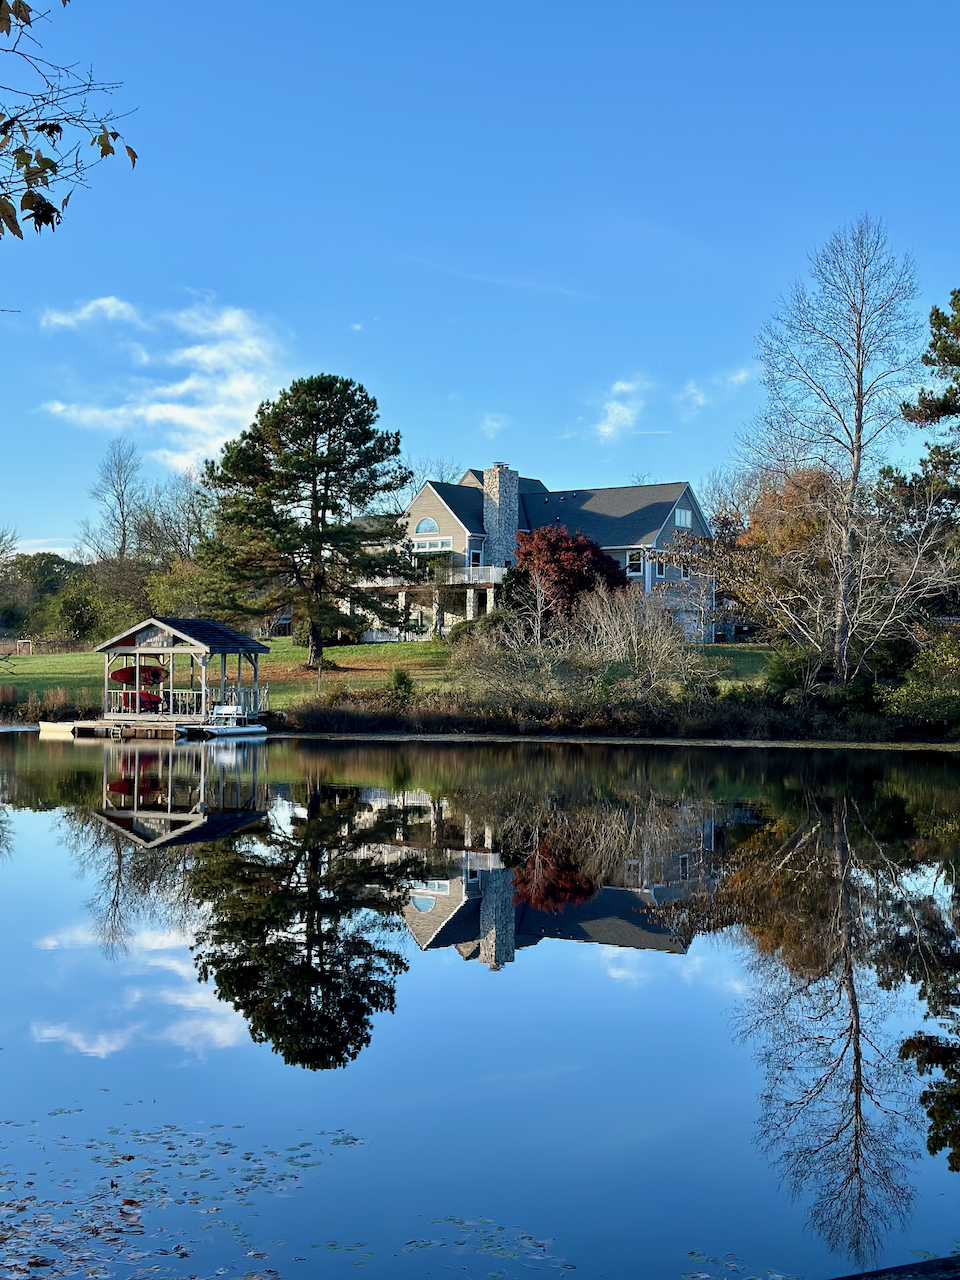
x: 501, y: 513
x: 497, y: 918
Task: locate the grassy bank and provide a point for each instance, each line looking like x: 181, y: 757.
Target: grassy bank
x: 359, y: 666
x: 747, y: 712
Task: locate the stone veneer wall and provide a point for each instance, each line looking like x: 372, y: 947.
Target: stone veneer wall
x: 497, y: 918
x: 501, y: 514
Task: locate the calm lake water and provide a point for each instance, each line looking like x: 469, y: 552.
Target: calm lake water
x: 298, y: 1008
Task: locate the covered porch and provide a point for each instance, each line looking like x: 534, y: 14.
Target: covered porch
x: 178, y: 670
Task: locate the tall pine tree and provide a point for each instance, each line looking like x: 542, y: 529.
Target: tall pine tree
x: 291, y: 491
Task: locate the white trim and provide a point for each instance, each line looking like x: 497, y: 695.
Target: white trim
x: 685, y: 490
x: 440, y: 498
x: 164, y: 626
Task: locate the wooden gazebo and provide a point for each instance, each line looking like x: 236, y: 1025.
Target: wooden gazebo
x: 179, y: 669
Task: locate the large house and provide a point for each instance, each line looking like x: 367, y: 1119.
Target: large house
x: 472, y: 526
x: 476, y: 521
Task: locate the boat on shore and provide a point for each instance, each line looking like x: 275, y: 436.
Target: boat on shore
x: 233, y: 722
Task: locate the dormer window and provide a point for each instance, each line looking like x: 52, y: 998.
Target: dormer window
x: 427, y: 525
x: 683, y: 518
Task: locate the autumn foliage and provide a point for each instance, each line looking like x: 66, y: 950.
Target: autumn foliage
x: 567, y: 565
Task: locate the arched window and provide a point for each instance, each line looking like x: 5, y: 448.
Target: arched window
x: 427, y: 526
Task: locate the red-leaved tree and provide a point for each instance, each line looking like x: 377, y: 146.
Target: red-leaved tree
x: 566, y: 565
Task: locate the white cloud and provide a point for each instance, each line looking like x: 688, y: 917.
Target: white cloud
x: 622, y: 405
x: 99, y: 308
x: 738, y: 378
x: 100, y: 1044
x: 357, y: 327
x: 493, y: 423
x: 231, y: 364
x: 617, y: 419
x: 712, y: 971
x: 76, y: 935
x: 59, y: 546
x: 215, y: 1026
x: 691, y: 400
x: 82, y: 935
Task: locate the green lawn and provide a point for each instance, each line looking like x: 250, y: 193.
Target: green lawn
x: 740, y: 663
x: 358, y: 666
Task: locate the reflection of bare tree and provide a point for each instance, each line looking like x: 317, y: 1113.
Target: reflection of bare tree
x: 135, y: 887
x: 6, y: 834
x: 836, y: 1107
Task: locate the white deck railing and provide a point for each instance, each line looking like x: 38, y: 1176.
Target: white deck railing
x: 470, y: 576
x: 157, y: 701
x: 250, y: 701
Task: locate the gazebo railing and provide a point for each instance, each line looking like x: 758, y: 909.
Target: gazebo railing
x: 154, y: 701
x: 185, y: 702
x: 250, y: 701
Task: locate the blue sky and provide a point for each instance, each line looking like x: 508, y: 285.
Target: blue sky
x: 544, y: 233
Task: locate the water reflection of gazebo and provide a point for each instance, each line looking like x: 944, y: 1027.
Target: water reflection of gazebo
x: 161, y: 671
x: 162, y: 795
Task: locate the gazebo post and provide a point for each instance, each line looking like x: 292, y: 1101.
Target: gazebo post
x: 106, y: 683
x: 239, y: 679
x: 223, y: 678
x: 136, y: 659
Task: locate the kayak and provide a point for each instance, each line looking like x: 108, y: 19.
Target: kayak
x: 148, y: 675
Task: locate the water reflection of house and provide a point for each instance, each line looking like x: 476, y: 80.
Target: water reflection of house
x: 163, y: 795
x: 467, y: 901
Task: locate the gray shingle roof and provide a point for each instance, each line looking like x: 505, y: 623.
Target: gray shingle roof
x: 624, y: 517
x: 466, y: 503
x: 217, y: 636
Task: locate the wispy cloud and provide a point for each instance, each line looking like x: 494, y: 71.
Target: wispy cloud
x: 691, y: 400
x: 696, y: 395
x: 99, y: 1044
x: 82, y: 935
x: 59, y: 546
x: 109, y: 308
x: 714, y: 972
x: 357, y: 327
x: 503, y: 282
x: 227, y: 360
x: 620, y: 409
x: 491, y: 424
x: 197, y: 1020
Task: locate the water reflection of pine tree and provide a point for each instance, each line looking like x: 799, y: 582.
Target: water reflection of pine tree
x: 299, y: 928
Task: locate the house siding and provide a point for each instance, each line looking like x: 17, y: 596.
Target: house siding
x: 428, y: 505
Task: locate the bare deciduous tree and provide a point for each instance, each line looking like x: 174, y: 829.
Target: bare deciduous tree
x: 838, y: 357
x: 119, y: 493
x: 173, y: 519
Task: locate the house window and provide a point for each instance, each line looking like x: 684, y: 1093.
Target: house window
x: 475, y: 559
x: 684, y: 866
x: 683, y: 518
x: 427, y: 526
x: 684, y: 571
x: 635, y: 562
x: 437, y: 544
x: 661, y: 569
